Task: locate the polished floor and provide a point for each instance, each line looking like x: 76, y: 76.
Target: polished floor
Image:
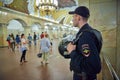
x: 57, y: 69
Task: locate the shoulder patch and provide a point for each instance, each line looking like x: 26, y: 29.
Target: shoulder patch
x: 85, y: 50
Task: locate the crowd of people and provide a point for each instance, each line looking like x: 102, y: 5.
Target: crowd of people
x: 22, y: 43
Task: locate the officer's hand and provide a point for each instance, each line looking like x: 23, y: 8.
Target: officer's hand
x: 70, y: 48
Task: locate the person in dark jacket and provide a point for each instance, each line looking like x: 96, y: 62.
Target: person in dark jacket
x: 35, y: 39
x: 29, y: 40
x: 12, y: 42
x: 85, y: 60
x: 17, y: 40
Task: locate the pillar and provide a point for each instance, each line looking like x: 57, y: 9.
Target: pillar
x: 3, y: 35
x: 118, y: 38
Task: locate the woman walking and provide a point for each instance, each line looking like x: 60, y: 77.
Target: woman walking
x: 23, y: 49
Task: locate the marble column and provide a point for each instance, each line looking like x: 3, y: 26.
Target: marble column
x: 27, y: 30
x: 3, y: 35
x: 118, y: 38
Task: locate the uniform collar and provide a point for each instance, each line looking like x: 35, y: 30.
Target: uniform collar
x: 84, y: 27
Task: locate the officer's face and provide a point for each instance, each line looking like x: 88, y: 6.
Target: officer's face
x: 76, y: 20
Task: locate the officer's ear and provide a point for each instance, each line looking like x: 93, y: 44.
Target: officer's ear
x: 79, y: 19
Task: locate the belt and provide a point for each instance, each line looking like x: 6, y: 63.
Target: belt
x: 81, y: 74
x: 84, y: 76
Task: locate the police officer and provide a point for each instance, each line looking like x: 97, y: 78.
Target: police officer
x: 85, y: 60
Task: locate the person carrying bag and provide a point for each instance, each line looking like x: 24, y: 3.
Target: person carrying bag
x: 45, y: 48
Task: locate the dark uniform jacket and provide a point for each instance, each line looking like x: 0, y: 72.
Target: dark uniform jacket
x: 85, y: 58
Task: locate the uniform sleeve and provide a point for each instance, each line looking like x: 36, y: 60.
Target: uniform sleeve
x: 85, y: 57
x: 85, y: 45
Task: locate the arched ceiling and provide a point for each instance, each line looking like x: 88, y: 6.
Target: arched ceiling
x: 64, y: 7
x: 18, y: 5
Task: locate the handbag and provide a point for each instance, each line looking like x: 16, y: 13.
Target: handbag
x: 39, y: 55
x: 27, y: 48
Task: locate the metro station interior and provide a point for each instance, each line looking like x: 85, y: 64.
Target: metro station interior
x: 51, y: 16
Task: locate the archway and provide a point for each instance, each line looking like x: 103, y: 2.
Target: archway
x: 16, y: 26
x: 36, y: 27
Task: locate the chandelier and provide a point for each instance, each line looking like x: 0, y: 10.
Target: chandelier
x: 47, y: 5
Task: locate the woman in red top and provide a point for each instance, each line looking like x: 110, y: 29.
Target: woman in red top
x: 42, y: 35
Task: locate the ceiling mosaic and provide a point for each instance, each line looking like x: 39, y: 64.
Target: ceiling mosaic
x: 66, y: 3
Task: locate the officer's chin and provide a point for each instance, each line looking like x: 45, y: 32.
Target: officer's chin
x: 75, y: 25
